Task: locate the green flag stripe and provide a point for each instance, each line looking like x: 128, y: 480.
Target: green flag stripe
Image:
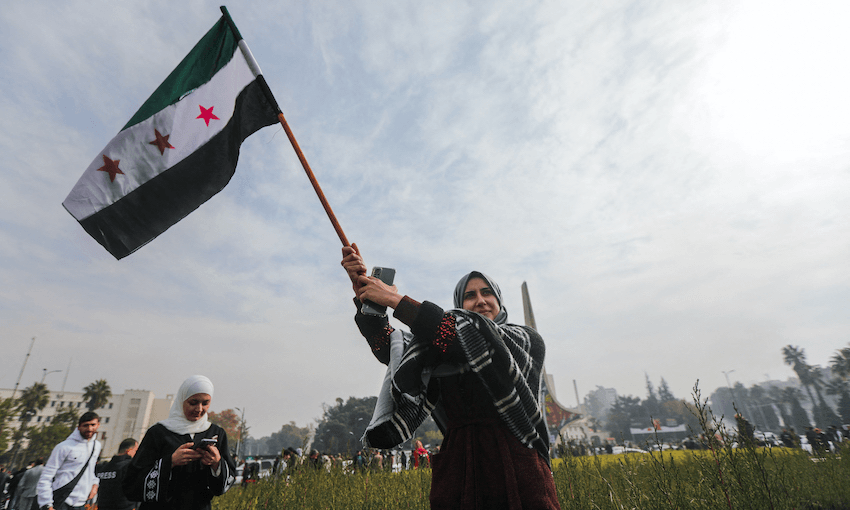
x: 211, y: 53
x: 140, y: 160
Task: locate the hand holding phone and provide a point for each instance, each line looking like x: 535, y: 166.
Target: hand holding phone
x: 386, y: 275
x: 205, y: 443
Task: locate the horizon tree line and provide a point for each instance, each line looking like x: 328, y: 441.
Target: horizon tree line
x: 769, y: 406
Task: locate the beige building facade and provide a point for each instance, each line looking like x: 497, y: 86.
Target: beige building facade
x: 129, y: 414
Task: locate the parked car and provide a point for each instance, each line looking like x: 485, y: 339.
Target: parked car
x: 768, y: 438
x: 624, y: 449
x: 264, y: 468
x: 660, y: 447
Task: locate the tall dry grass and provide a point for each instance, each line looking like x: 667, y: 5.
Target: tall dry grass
x: 723, y: 476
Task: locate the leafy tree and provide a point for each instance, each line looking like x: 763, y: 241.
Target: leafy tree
x: 651, y: 404
x: 625, y: 411
x: 428, y: 432
x: 229, y: 421
x: 289, y: 436
x: 664, y: 393
x: 343, y: 425
x: 97, y: 394
x: 43, y: 439
x: 682, y: 412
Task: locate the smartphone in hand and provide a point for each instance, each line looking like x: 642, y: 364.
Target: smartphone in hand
x: 205, y: 443
x: 386, y: 275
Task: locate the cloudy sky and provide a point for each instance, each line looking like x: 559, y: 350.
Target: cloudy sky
x: 671, y: 179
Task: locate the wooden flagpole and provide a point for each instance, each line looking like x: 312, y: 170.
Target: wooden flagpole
x: 255, y: 68
x: 313, y: 180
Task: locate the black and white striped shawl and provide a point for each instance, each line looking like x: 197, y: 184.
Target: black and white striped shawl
x: 507, y: 358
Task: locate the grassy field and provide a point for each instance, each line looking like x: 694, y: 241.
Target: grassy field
x: 745, y: 478
x: 719, y: 477
x: 734, y: 478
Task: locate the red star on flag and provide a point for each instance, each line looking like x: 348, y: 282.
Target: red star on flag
x: 207, y: 114
x: 161, y: 142
x: 110, y: 167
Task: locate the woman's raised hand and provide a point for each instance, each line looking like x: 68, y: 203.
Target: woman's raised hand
x: 366, y: 287
x: 353, y: 264
x: 372, y: 289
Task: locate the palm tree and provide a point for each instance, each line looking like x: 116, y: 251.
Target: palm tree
x: 31, y: 401
x: 97, y: 394
x: 841, y: 389
x: 796, y: 358
x: 6, y: 411
x: 840, y: 363
x: 797, y: 416
x: 823, y: 412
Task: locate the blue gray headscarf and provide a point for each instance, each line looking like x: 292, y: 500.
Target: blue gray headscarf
x: 460, y: 289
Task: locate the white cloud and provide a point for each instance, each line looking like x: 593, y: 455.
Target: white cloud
x: 671, y: 181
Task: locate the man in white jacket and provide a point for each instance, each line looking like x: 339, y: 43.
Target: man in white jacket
x: 74, y: 457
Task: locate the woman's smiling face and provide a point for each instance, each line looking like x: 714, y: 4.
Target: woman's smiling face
x: 196, y: 406
x: 479, y: 297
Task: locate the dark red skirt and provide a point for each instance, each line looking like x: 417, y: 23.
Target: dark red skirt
x: 481, y: 465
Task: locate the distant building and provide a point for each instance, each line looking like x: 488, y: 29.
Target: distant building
x: 126, y: 415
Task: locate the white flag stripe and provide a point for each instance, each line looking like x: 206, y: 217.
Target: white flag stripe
x: 141, y: 161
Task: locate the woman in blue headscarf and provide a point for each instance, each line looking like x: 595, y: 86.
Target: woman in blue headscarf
x: 477, y: 375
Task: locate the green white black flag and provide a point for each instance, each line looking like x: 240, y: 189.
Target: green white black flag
x: 179, y: 149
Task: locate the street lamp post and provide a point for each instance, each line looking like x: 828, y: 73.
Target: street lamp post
x: 732, y: 392
x: 726, y: 373
x: 46, y: 373
x: 241, y: 430
x: 728, y: 385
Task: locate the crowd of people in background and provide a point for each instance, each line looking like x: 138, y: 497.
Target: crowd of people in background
x: 252, y: 469
x: 814, y: 440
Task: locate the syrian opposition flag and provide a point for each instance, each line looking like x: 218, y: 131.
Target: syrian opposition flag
x: 179, y: 149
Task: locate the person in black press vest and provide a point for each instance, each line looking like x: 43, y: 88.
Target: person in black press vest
x: 111, y: 476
